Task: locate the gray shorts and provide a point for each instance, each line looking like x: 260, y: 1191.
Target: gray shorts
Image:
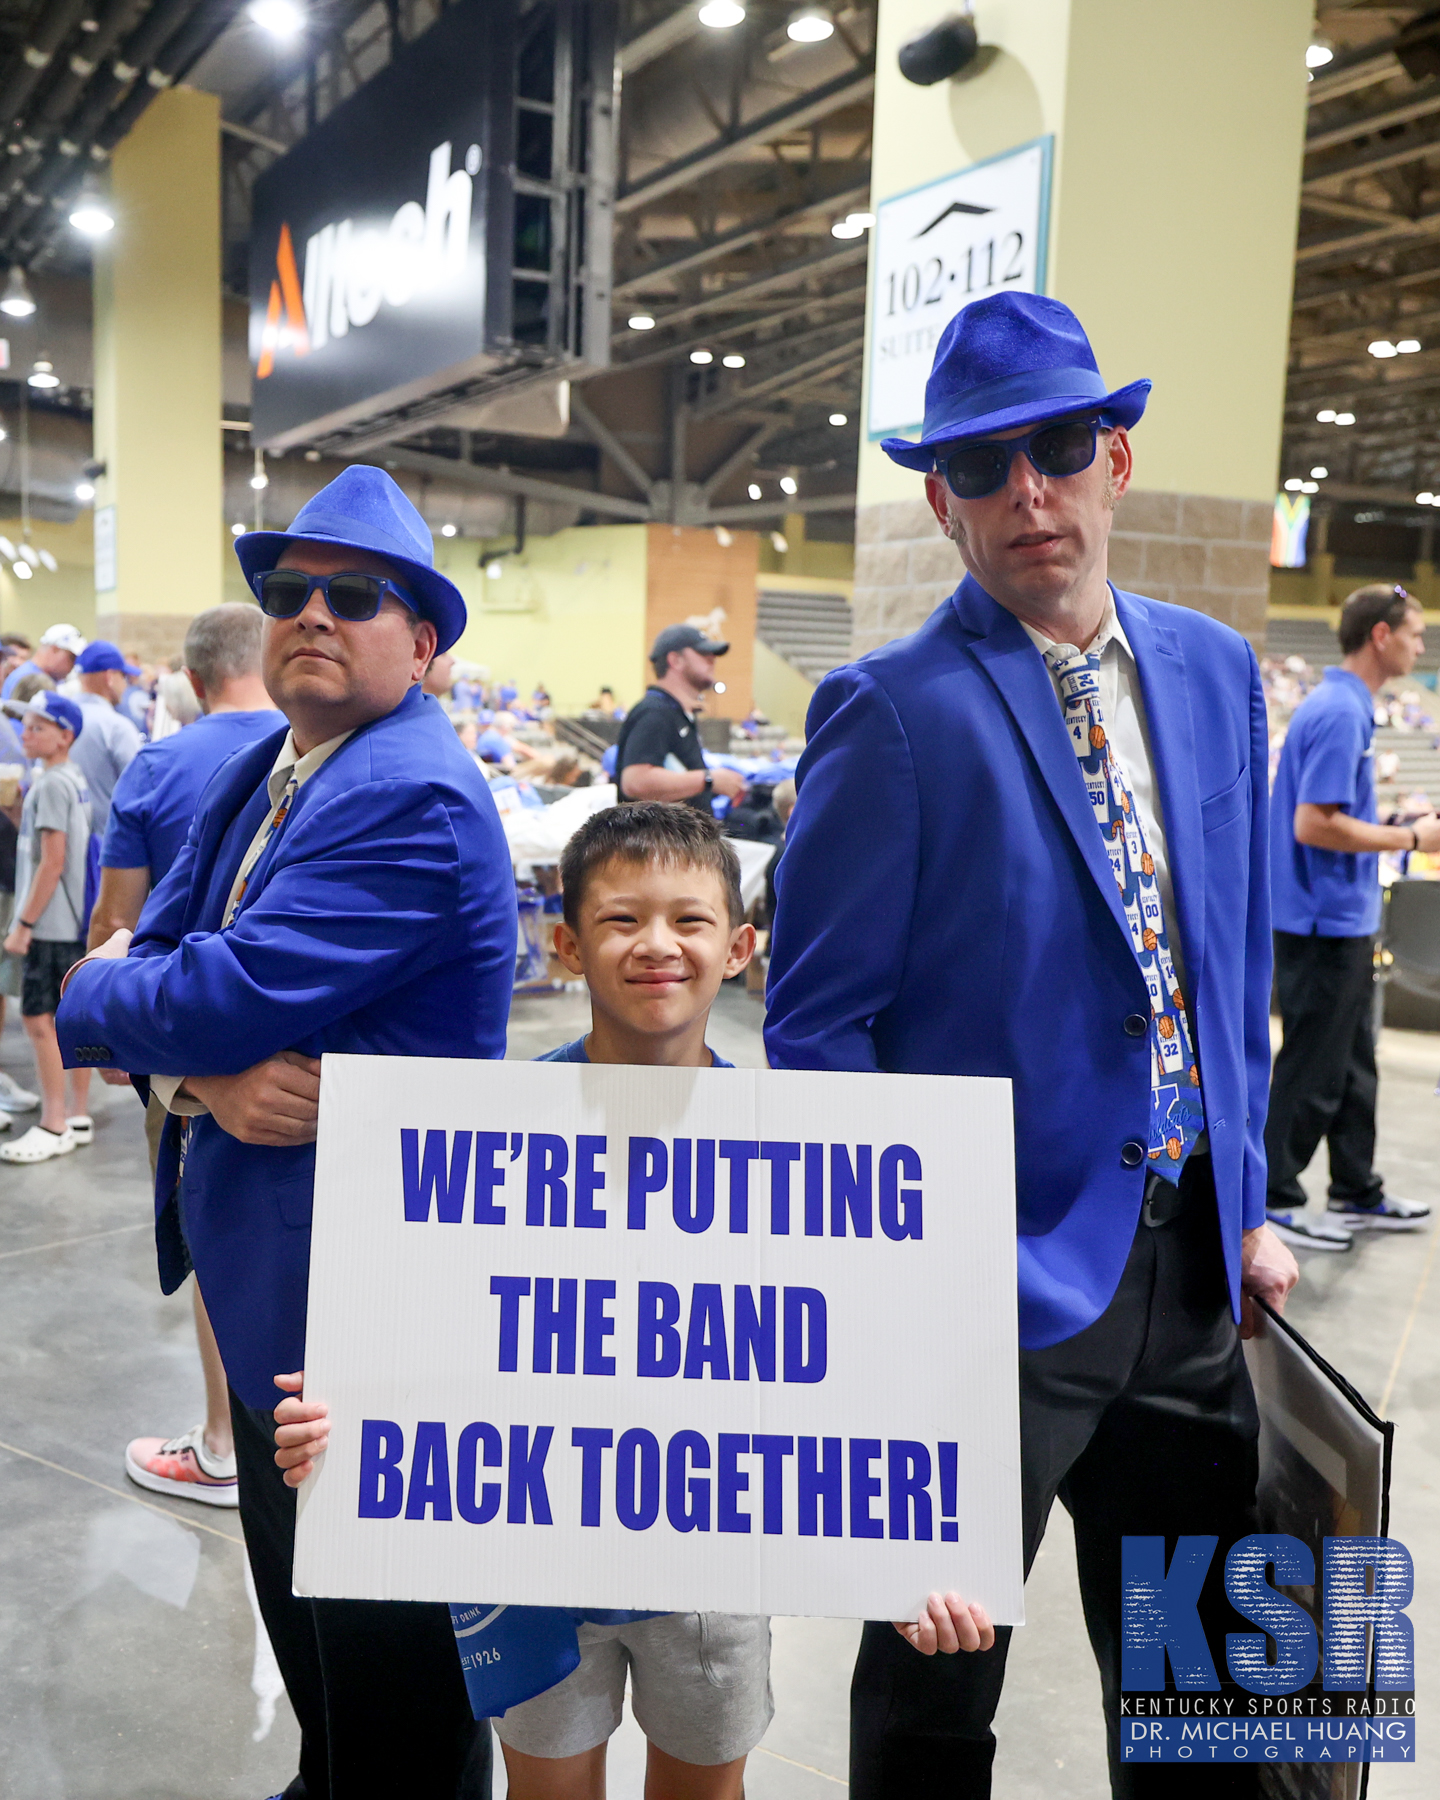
x: 699, y: 1689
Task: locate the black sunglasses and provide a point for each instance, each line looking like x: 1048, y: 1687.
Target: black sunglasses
x: 284, y: 594
x: 972, y: 471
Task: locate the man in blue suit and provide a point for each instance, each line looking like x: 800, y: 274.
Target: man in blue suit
x: 345, y: 887
x: 1030, y: 841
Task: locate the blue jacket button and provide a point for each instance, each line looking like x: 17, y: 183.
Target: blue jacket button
x: 1136, y: 1025
x: 1132, y: 1154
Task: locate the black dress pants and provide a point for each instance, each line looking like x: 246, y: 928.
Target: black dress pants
x: 1144, y: 1424
x: 375, y: 1684
x: 1324, y: 1082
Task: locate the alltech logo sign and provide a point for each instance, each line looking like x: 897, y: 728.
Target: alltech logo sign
x: 381, y: 244
x: 351, y: 269
x: 1343, y: 1694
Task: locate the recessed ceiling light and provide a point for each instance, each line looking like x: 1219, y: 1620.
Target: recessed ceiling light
x: 640, y: 322
x: 702, y: 357
x: 811, y: 25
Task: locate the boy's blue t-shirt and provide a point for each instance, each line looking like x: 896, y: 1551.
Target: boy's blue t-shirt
x: 540, y: 1646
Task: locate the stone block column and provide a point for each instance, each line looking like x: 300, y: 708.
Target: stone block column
x: 1176, y: 168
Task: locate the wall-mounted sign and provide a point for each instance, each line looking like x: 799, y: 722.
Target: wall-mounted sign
x: 381, y: 246
x: 106, y: 578
x: 938, y: 248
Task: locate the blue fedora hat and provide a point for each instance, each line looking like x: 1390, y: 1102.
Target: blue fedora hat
x: 1008, y: 361
x: 364, y: 509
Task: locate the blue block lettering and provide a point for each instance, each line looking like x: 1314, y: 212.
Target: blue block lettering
x: 637, y: 1480
x: 730, y: 1482
x: 478, y: 1443
x: 755, y: 1334
x: 687, y: 1496
x: 705, y: 1345
x: 863, y: 1488
x: 805, y: 1334
x: 546, y: 1164
x: 510, y: 1290
x: 780, y: 1158
x: 525, y: 1477
x: 814, y: 1190
x: 429, y: 1472
x: 818, y: 1481
x: 1158, y: 1613
x: 1349, y: 1609
x: 554, y: 1327
x: 850, y: 1190
x: 739, y: 1154
x: 598, y: 1326
x: 772, y: 1452
x: 488, y: 1145
x: 382, y: 1485
x: 431, y: 1178
x: 909, y: 1484
x: 900, y: 1208
x: 648, y: 1173
x: 658, y: 1342
x: 592, y: 1442
x: 589, y: 1181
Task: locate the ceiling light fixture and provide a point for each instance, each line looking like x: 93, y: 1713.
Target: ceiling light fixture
x: 702, y: 357
x: 720, y: 15
x: 1382, y: 347
x: 1346, y: 418
x: 719, y: 687
x: 43, y: 376
x: 734, y: 360
x: 1309, y: 487
x: 839, y: 418
x: 1317, y: 55
x: 754, y: 491
x: 17, y: 301
x: 1293, y: 485
x: 22, y: 569
x: 47, y: 561
x: 84, y: 492
x: 1407, y: 346
x: 259, y: 480
x: 853, y: 225
x: 237, y: 530
x: 495, y: 569
x: 447, y: 531
x: 1318, y: 473
x: 7, y: 549
x: 789, y: 485
x: 811, y: 25
x: 779, y: 542
x: 91, y: 215
x: 1326, y: 416
x: 31, y: 555
x: 1425, y: 499
x: 281, y: 18
x: 640, y: 322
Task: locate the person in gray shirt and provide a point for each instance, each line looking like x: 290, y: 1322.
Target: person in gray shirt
x: 109, y: 742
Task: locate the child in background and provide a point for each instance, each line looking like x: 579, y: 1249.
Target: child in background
x: 654, y: 923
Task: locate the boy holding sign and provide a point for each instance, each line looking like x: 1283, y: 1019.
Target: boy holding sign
x: 654, y: 923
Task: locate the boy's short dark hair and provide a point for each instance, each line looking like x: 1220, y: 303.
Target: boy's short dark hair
x: 653, y: 831
x: 1379, y: 604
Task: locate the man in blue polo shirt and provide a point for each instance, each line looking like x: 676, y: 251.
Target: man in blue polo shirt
x: 1325, y: 901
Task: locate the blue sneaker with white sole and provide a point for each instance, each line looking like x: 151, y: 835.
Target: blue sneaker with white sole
x: 1389, y: 1213
x: 1294, y: 1226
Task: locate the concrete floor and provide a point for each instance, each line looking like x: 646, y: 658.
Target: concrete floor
x: 133, y: 1669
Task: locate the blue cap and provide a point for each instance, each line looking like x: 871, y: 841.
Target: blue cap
x: 364, y: 509
x: 47, y: 704
x: 101, y: 655
x: 1009, y: 361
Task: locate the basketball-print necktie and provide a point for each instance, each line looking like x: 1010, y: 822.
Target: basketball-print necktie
x: 1177, y: 1111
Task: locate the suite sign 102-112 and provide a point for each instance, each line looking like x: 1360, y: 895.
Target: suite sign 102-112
x: 936, y: 249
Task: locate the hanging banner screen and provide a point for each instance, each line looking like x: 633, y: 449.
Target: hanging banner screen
x: 381, y: 244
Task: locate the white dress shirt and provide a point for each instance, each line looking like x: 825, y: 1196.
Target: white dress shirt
x: 288, y: 765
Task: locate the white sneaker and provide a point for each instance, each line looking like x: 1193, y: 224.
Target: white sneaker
x: 14, y: 1098
x: 81, y: 1128
x: 38, y: 1145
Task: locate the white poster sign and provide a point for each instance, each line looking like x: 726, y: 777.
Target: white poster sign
x: 938, y: 248
x: 663, y: 1339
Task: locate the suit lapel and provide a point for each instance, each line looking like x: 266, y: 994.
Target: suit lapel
x: 1018, y: 671
x: 1171, y: 726
x: 231, y: 823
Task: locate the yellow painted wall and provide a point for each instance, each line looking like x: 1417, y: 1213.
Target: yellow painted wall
x: 1178, y: 138
x: 781, y: 692
x: 569, y: 611
x: 66, y: 596
x: 158, y: 359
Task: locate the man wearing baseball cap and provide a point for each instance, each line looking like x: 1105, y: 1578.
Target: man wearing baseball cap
x: 110, y: 742
x: 48, y: 928
x: 1031, y: 843
x: 345, y: 887
x: 658, y: 755
x: 54, y: 656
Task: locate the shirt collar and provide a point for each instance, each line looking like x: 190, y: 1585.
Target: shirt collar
x: 1111, y: 632
x: 290, y: 764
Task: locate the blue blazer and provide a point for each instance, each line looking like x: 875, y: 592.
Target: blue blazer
x: 379, y: 921
x: 946, y: 907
